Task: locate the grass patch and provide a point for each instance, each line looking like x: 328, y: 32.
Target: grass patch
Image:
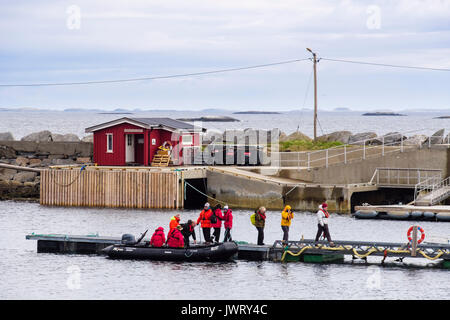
x: 304, y: 145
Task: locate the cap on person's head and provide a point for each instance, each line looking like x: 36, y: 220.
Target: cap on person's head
x: 225, y: 206
x: 324, y: 205
x: 206, y: 205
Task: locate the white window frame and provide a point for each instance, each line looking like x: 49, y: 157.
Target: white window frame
x: 185, y: 143
x: 109, y: 148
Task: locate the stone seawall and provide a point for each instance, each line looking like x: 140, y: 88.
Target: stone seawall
x: 18, y: 184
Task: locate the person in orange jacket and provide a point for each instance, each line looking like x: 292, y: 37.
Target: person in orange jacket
x: 286, y: 217
x: 204, y: 220
x: 174, y: 221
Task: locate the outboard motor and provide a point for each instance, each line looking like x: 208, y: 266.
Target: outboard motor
x: 128, y: 239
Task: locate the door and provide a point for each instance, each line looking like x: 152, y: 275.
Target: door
x: 129, y: 148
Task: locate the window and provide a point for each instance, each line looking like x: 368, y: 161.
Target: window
x: 186, y: 140
x: 109, y: 142
x: 129, y: 140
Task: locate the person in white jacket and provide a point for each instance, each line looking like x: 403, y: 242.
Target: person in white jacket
x: 322, y: 217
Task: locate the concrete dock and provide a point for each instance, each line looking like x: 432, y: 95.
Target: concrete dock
x: 306, y: 250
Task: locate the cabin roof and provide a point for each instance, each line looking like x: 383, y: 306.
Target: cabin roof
x: 149, y: 123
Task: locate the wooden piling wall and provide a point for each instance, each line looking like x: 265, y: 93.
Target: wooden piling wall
x: 110, y: 188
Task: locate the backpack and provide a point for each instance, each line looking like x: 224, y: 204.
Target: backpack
x: 253, y: 218
x: 213, y: 218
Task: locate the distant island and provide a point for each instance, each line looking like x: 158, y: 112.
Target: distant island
x: 383, y: 114
x: 211, y: 119
x: 256, y: 112
x: 115, y: 112
x: 442, y: 117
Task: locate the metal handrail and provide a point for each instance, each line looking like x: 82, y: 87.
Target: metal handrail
x: 430, y: 185
x: 398, y: 179
x: 310, y: 162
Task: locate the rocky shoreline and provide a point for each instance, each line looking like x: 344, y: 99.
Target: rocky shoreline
x: 43, y: 149
x: 38, y: 150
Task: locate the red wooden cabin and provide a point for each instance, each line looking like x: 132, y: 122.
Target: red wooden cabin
x: 134, y: 141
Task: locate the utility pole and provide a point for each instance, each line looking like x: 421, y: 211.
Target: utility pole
x: 315, y: 91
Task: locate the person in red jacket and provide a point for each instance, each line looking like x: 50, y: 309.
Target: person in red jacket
x: 228, y: 223
x: 158, y: 238
x: 204, y: 220
x: 175, y: 238
x: 174, y: 221
x: 218, y: 224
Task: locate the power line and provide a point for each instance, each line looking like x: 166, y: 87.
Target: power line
x: 213, y: 72
x: 153, y: 78
x: 387, y: 65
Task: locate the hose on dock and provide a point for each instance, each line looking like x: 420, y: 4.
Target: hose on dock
x: 356, y: 253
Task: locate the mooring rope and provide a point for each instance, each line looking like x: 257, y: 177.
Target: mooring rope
x: 236, y: 205
x: 73, y: 181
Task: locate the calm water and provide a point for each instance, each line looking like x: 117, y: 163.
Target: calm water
x: 21, y: 123
x: 24, y: 274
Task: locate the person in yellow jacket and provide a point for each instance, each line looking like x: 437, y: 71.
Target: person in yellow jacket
x: 286, y: 217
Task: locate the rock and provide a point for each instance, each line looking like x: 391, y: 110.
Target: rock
x: 30, y: 183
x: 83, y: 160
x: 62, y: 162
x: 70, y: 137
x: 10, y: 190
x: 7, y: 174
x: 234, y: 136
x: 88, y: 138
x: 56, y: 156
x: 392, y: 138
x: 436, y: 138
x: 46, y: 162
x: 6, y: 136
x: 340, y: 136
x: 41, y: 136
x: 360, y: 137
x: 35, y: 163
x: 211, y: 119
x: 415, y: 140
x: 25, y: 176
x: 297, y: 136
x: 212, y: 136
x: 7, y: 152
x: 22, y: 161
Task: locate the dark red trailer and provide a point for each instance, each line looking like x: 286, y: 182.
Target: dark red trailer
x: 135, y: 141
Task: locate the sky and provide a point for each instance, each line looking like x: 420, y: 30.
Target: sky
x: 74, y: 41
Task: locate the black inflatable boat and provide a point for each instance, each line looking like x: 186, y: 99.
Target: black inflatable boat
x: 214, y: 252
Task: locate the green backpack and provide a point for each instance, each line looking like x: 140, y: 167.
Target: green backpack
x: 253, y: 218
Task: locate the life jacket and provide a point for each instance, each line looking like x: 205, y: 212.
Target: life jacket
x: 218, y: 215
x: 204, y: 218
x: 174, y: 222
x: 158, y: 238
x: 228, y: 218
x: 325, y: 212
x: 175, y: 239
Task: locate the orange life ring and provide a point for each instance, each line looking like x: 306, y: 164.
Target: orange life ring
x: 421, y: 231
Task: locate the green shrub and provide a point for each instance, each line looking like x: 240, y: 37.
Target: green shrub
x: 304, y: 145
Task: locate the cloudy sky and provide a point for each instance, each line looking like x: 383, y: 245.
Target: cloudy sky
x: 74, y: 41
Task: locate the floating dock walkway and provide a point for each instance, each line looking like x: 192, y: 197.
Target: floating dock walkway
x: 403, y: 212
x: 304, y: 250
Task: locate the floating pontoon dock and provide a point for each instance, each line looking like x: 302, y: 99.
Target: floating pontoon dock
x: 305, y: 250
x: 403, y: 212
